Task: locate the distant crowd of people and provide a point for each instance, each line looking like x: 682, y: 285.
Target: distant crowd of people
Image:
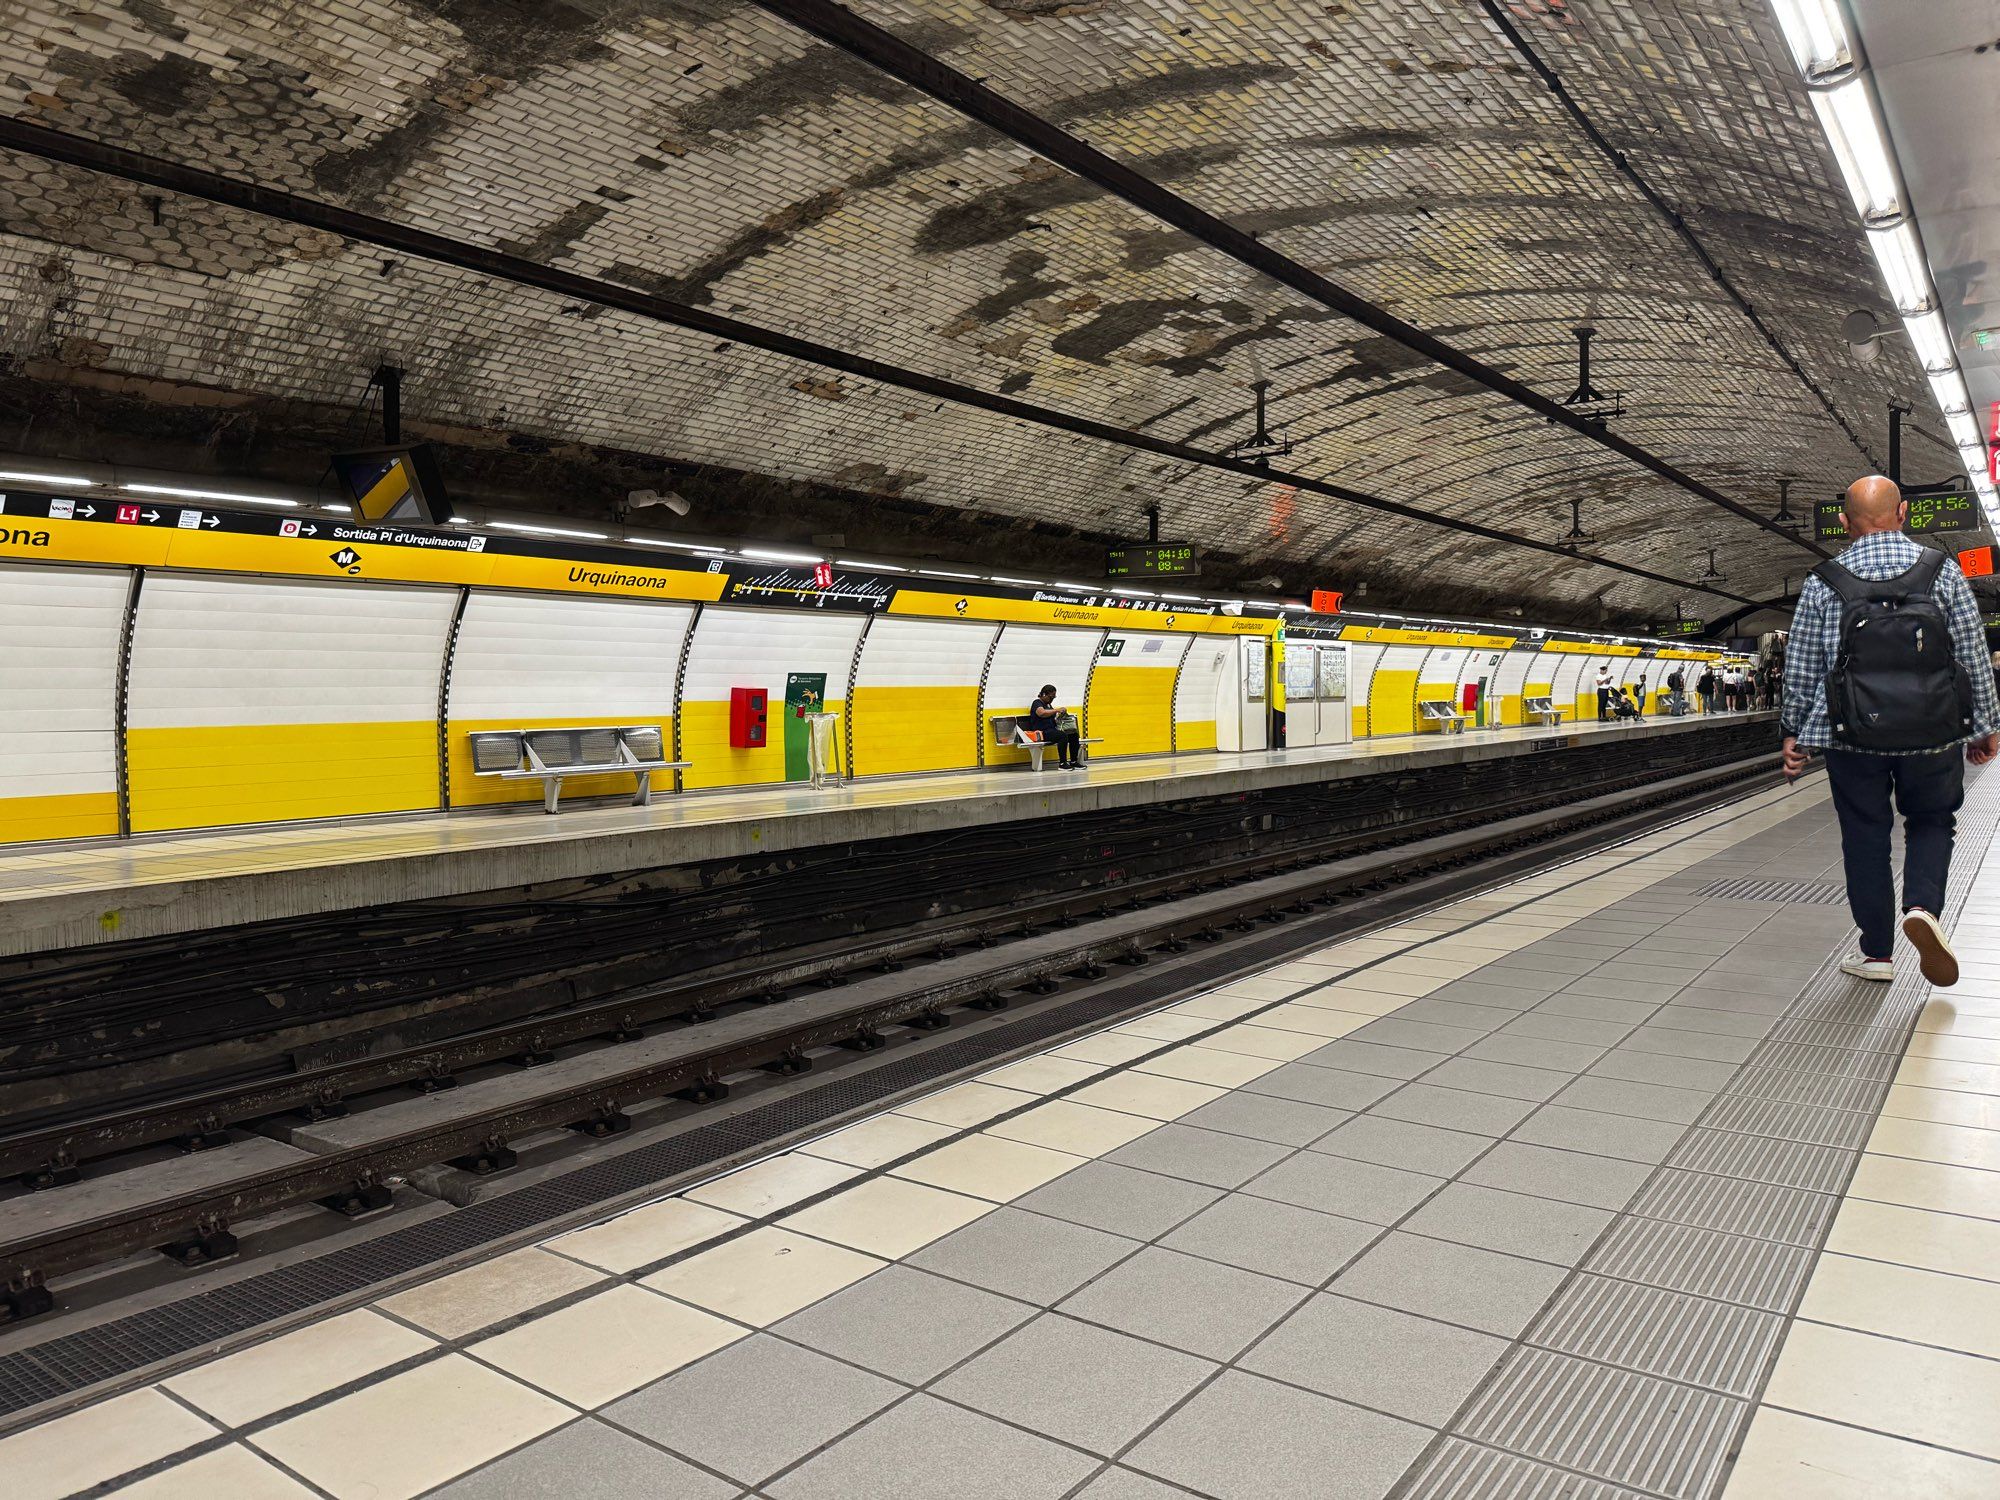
x: 1733, y: 690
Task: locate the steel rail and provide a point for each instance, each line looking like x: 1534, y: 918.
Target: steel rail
x: 882, y: 49
x: 292, y: 208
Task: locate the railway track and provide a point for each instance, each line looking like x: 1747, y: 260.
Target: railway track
x: 346, y: 1132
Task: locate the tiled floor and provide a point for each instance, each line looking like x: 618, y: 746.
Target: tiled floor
x: 1522, y: 1198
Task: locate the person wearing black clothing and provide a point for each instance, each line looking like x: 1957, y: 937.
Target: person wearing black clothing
x: 1043, y: 717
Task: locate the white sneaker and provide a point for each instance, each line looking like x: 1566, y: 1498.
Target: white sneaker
x: 1934, y: 956
x: 1881, y: 970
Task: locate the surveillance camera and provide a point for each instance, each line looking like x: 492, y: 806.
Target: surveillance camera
x: 640, y: 499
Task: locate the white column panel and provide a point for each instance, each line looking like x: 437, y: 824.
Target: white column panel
x: 916, y: 695
x: 59, y: 633
x: 1199, y: 705
x: 752, y: 648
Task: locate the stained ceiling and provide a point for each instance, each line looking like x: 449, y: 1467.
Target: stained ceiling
x: 1494, y: 172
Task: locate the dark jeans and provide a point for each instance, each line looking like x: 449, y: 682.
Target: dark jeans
x: 1928, y: 792
x: 1068, y: 745
x: 1604, y: 703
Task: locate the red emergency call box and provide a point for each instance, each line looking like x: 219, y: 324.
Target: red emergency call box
x: 749, y: 708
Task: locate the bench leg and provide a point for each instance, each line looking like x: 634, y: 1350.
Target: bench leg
x: 1035, y: 755
x: 551, y: 792
x: 645, y: 793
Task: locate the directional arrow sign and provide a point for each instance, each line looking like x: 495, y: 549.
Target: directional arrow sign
x: 152, y: 515
x: 211, y: 520
x: 310, y: 530
x: 86, y: 510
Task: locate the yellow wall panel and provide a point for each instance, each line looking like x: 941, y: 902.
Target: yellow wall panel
x: 468, y: 790
x: 207, y: 777
x: 1194, y: 734
x: 1361, y: 721
x: 1392, y: 702
x: 1131, y: 710
x: 705, y: 742
x: 900, y: 729
x: 78, y: 815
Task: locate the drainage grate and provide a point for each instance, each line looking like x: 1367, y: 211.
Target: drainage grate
x: 1791, y: 892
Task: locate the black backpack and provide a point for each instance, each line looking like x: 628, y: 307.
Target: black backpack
x: 1895, y: 684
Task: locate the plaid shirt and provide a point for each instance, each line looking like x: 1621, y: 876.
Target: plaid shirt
x: 1815, y: 638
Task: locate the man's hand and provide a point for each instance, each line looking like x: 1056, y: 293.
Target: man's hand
x: 1983, y: 749
x: 1795, y: 759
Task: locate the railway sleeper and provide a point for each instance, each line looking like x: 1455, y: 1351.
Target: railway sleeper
x: 367, y: 1196
x: 490, y: 1156
x: 603, y: 1122
x: 209, y: 1243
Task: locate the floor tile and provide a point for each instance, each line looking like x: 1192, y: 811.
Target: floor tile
x: 1978, y: 1111
x: 1271, y: 1238
x: 1124, y: 1484
x: 1509, y: 1080
x: 1371, y: 1057
x: 1244, y: 1438
x: 1197, y: 1305
x: 1624, y: 1136
x: 1547, y: 1024
x: 400, y: 1436
x: 906, y: 1324
x: 1914, y: 1237
x: 886, y: 1216
x: 988, y: 1166
x: 610, y: 1343
x: 1664, y: 1068
x: 1511, y: 1223
x: 1216, y: 1006
x: 1205, y: 1156
x: 645, y: 1235
x: 1076, y: 1382
x: 765, y: 1275
x: 1922, y: 1184
x: 754, y: 1408
x: 1263, y: 1041
x: 1573, y: 1176
x: 1791, y: 1457
x: 1164, y: 1026
x: 1078, y: 1129
x: 1122, y: 1200
x: 1336, y: 1185
x: 1924, y: 1140
x: 232, y: 1473
x: 1330, y: 1087
x: 1024, y: 1255
x: 1107, y: 1049
x: 1928, y: 1395
x: 776, y: 1182
x: 481, y: 1295
x: 1925, y: 1307
x: 1535, y: 1052
x: 1454, y: 1109
x: 876, y: 1142
x: 1314, y: 1020
x: 1646, y: 1101
x: 1147, y: 1095
x: 587, y: 1461
x: 1402, y: 1143
x: 254, y: 1382
x: 100, y: 1442
x: 1454, y: 1283
x: 927, y: 1449
x: 1041, y: 1075
x: 964, y: 1104
x: 1425, y: 1036
x: 1379, y: 1357
x: 1205, y: 1065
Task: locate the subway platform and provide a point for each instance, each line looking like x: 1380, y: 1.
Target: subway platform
x: 77, y: 895
x: 1602, y: 1184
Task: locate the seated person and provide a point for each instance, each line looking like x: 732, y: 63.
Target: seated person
x: 1041, y: 720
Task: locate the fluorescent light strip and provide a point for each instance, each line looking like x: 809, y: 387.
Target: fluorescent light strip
x: 59, y: 481
x: 226, y: 497
x: 1861, y: 146
x: 1949, y: 388
x: 1026, y: 583
x: 848, y: 562
x: 1186, y: 598
x: 969, y: 577
x: 588, y: 536
x: 1903, y: 271
x: 1964, y: 431
x: 1932, y: 341
x: 1815, y: 32
x: 762, y: 555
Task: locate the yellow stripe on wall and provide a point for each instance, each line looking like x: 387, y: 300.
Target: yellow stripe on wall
x: 1131, y: 709
x: 1392, y: 702
x: 705, y: 742
x: 914, y: 729
x: 469, y: 790
x: 1361, y: 721
x: 1194, y: 734
x: 261, y: 773
x: 74, y: 815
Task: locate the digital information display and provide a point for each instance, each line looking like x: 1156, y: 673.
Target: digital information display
x: 1152, y: 560
x: 1680, y: 627
x: 1928, y: 513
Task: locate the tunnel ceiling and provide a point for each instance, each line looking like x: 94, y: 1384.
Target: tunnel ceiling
x: 711, y: 153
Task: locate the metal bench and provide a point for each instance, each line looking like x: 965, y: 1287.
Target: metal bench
x: 1447, y: 718
x: 1007, y: 731
x: 553, y: 755
x: 1543, y: 709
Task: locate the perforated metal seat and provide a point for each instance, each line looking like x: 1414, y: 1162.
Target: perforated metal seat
x: 552, y: 755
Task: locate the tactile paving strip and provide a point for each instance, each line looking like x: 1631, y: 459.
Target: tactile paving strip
x: 1790, y: 892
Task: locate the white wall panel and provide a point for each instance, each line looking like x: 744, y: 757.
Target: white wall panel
x: 1198, y: 691
x: 916, y: 696
x: 547, y: 658
x: 1570, y: 678
x: 757, y: 647
x: 59, y: 630
x: 1029, y: 656
x: 902, y: 652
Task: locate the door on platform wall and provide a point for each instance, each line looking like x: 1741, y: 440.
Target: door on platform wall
x: 1243, y: 698
x: 1318, y: 710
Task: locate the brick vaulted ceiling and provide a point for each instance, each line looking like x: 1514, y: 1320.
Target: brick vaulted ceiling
x: 708, y: 152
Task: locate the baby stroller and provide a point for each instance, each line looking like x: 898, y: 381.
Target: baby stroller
x: 1622, y: 706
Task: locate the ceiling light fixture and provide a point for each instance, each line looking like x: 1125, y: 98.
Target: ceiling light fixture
x: 58, y: 481
x: 225, y: 496
x: 765, y: 555
x: 587, y: 536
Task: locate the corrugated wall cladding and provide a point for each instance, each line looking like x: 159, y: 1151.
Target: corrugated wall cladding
x: 59, y: 634
x: 543, y: 661
x: 1362, y: 660
x: 1392, y: 692
x: 256, y: 699
x: 1197, y: 693
x: 756, y: 648
x: 1131, y: 703
x: 1508, y: 686
x: 1025, y: 659
x: 916, y: 696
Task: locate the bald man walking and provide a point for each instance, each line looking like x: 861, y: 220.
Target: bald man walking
x: 1885, y: 675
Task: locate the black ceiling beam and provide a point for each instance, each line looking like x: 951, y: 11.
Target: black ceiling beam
x: 1622, y: 165
x: 841, y: 28
x: 291, y: 208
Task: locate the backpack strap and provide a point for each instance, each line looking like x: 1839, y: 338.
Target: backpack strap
x: 1914, y: 582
